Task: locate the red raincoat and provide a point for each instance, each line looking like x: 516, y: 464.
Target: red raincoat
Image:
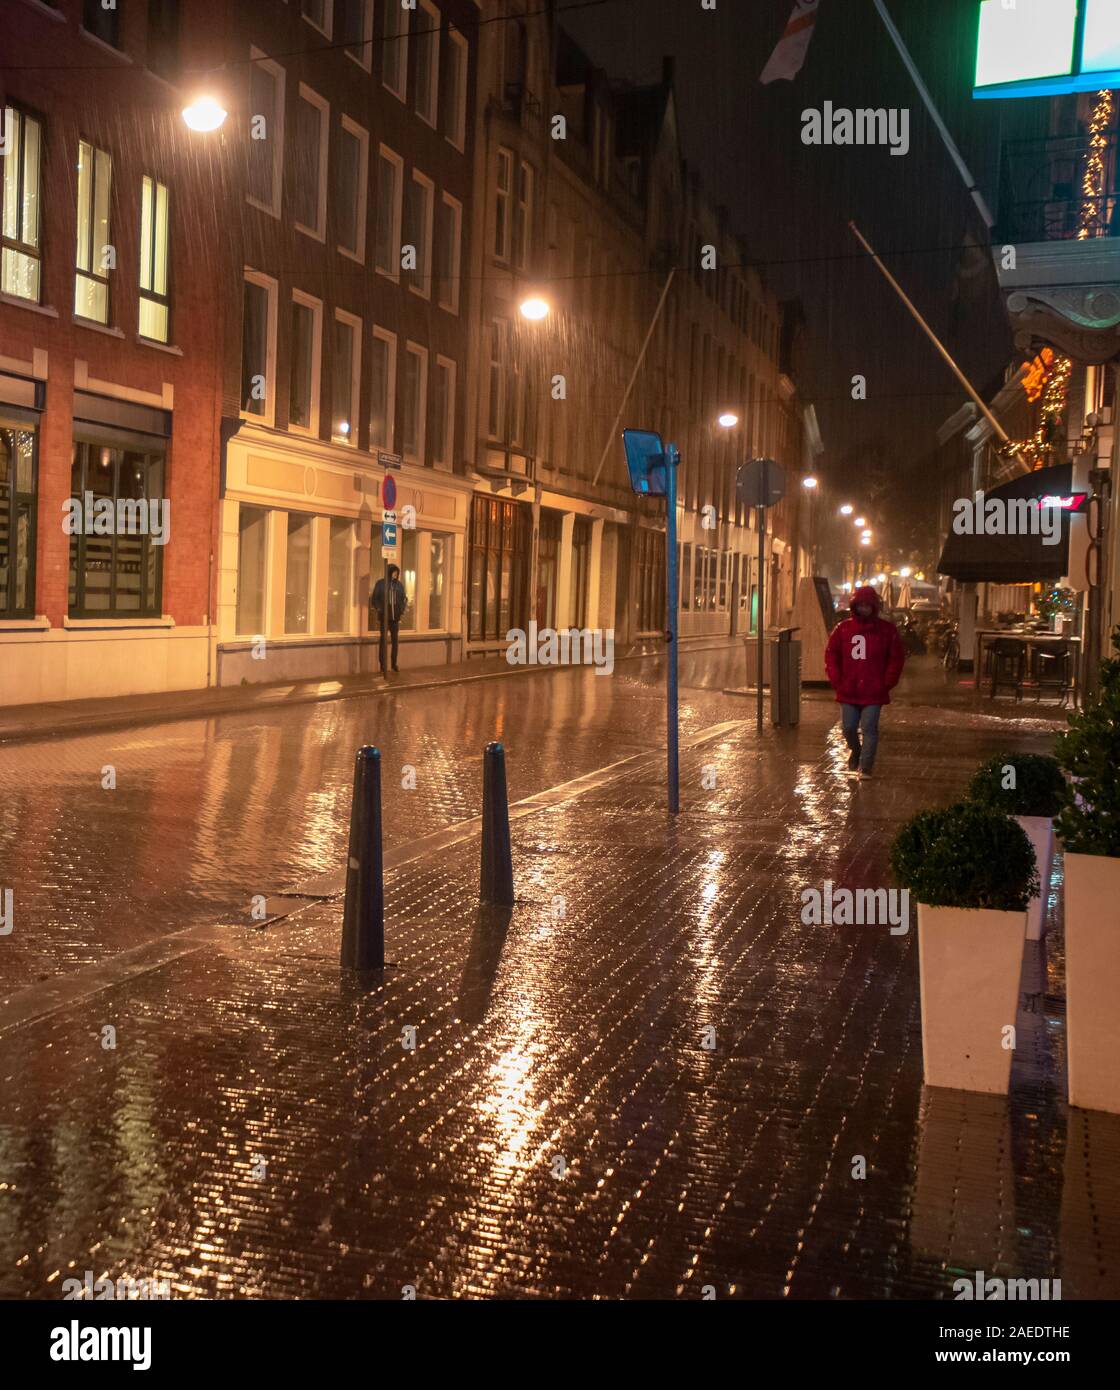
x: 864, y: 673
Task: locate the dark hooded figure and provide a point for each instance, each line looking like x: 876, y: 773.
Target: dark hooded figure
x: 398, y: 602
x: 863, y: 660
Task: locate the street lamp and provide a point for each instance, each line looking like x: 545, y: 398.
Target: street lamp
x: 809, y: 483
x: 847, y: 509
x: 534, y: 308
x: 728, y: 420
x: 905, y: 571
x: 204, y: 114
x: 865, y: 540
x: 860, y: 521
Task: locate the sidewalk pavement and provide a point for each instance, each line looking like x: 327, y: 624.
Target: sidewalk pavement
x: 650, y: 1079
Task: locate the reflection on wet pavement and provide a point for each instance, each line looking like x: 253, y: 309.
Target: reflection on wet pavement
x: 650, y: 1079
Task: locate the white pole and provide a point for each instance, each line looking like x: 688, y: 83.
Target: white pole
x: 930, y: 334
x: 950, y: 144
x: 633, y: 376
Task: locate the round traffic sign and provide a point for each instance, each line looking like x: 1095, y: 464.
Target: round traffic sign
x: 388, y: 492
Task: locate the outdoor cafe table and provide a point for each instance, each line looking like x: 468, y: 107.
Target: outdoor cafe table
x: 1030, y: 639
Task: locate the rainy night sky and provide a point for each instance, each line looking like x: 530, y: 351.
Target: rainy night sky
x: 793, y: 201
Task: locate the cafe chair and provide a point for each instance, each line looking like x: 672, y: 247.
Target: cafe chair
x: 1053, y: 672
x: 1008, y: 667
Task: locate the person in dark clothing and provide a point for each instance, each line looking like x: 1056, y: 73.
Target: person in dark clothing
x: 398, y: 602
x: 863, y: 660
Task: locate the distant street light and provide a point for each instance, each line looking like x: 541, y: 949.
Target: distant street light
x: 204, y: 114
x: 534, y: 308
x: 728, y: 419
x: 847, y: 509
x: 810, y: 483
x: 905, y: 571
x: 861, y: 521
x: 865, y: 540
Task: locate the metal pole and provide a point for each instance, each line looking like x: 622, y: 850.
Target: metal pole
x: 943, y: 129
x: 930, y: 334
x: 496, y: 876
x: 672, y: 460
x: 633, y: 376
x: 363, y: 918
x: 760, y: 513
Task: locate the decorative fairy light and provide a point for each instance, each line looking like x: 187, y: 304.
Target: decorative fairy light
x: 1090, y: 223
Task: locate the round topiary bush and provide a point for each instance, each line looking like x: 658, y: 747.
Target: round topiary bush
x: 1020, y: 784
x: 966, y: 855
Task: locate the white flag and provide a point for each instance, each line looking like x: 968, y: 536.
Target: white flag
x: 787, y: 58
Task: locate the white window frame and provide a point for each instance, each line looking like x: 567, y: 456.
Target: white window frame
x: 448, y: 462
x: 391, y: 156
x: 503, y: 253
x: 423, y: 272
x: 308, y: 94
x: 328, y: 13
x: 350, y: 440
x: 399, y: 37
x: 366, y: 62
x: 389, y: 446
x: 418, y: 350
x: 521, y: 247
x: 316, y: 306
x: 496, y: 363
x: 457, y: 135
x: 276, y: 137
x: 272, y: 288
x: 149, y: 294
x: 452, y: 304
x: 428, y: 18
x: 362, y: 135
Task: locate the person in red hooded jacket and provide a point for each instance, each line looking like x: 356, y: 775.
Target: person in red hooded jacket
x: 863, y: 661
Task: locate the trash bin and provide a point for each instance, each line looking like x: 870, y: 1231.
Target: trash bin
x: 785, y: 678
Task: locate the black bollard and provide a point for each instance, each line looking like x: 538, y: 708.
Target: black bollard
x: 363, y: 920
x: 497, y: 859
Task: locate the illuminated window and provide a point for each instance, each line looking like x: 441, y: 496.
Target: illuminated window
x: 95, y: 253
x: 21, y: 138
x: 155, y: 311
x: 1101, y: 49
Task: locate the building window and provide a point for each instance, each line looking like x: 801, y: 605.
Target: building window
x: 383, y: 390
x: 503, y: 228
x: 356, y: 26
x: 318, y: 14
x: 496, y: 400
x: 394, y: 48
x: 341, y: 547
x: 19, y: 445
x: 427, y: 62
x: 155, y: 305
x: 351, y: 163
x: 258, y: 348
x: 443, y: 414
x: 266, y: 132
x: 523, y: 217
x: 20, y: 271
x: 439, y: 573
x: 346, y: 376
x: 498, y: 568
x: 163, y: 38
x: 455, y: 90
x: 116, y: 575
x: 102, y: 23
x: 309, y: 198
x: 252, y: 546
x: 409, y: 568
x: 686, y: 577
x: 91, y: 285
x: 305, y: 345
x: 449, y: 252
x: 418, y: 231
x: 651, y: 580
x: 414, y: 395
x: 297, y: 573
x: 387, y: 250
x: 581, y: 572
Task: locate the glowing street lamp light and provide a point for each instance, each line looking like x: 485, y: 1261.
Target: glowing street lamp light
x: 534, y: 308
x: 810, y: 483
x: 865, y: 540
x: 204, y: 114
x: 728, y: 420
x: 905, y: 571
x: 847, y: 509
x: 861, y: 521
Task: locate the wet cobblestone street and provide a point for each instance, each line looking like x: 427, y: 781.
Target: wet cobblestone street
x: 650, y: 1079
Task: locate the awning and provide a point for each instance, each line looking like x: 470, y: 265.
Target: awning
x: 985, y: 553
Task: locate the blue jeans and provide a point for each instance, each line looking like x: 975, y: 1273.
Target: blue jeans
x: 857, y: 719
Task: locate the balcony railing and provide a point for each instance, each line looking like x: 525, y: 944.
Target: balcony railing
x: 1052, y: 190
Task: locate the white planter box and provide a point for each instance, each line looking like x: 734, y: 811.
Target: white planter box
x: 970, y: 961
x: 1092, y: 923
x: 1040, y: 832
